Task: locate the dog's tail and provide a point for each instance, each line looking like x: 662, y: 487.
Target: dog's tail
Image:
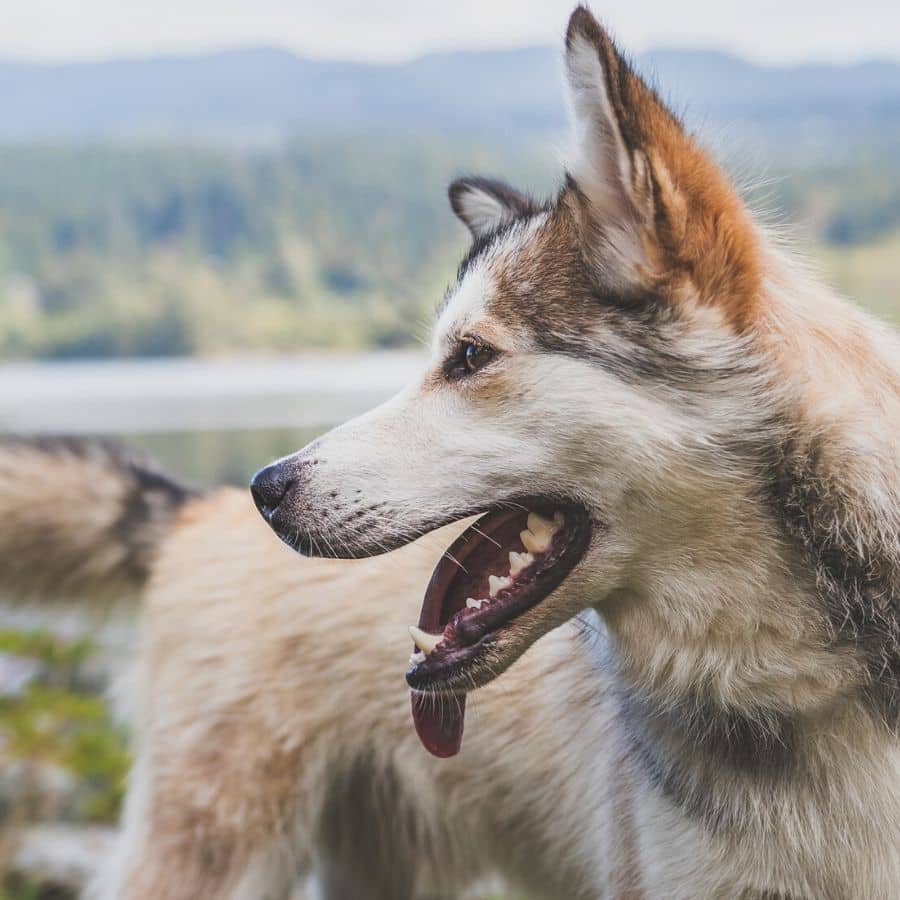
x: 79, y: 520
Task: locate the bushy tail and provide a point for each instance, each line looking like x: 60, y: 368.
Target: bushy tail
x: 79, y: 519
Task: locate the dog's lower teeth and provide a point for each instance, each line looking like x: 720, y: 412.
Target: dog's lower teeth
x: 471, y: 603
x: 423, y: 640
x: 519, y: 561
x: 497, y: 584
x: 416, y: 658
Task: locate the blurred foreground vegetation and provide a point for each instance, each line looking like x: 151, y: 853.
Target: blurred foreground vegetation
x: 330, y: 242
x: 62, y: 757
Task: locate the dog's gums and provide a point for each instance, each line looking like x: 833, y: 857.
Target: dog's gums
x: 500, y: 567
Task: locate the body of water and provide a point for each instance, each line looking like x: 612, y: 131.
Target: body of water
x: 207, y: 421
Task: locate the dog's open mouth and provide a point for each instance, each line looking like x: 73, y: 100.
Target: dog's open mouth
x: 500, y: 567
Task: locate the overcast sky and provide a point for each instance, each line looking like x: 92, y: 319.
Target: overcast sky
x: 773, y: 30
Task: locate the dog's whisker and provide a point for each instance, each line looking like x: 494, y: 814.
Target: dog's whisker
x: 487, y: 537
x: 455, y: 561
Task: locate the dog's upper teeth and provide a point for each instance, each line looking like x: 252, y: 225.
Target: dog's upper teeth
x: 539, y: 534
x: 519, y: 561
x: 539, y: 526
x: 497, y: 584
x: 471, y: 603
x: 423, y: 640
x: 535, y: 543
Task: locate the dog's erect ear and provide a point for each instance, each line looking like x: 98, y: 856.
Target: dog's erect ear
x: 483, y: 204
x: 650, y: 204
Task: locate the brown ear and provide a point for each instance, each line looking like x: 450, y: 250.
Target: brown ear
x: 484, y: 204
x: 650, y: 204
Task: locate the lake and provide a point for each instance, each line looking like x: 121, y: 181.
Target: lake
x: 207, y: 421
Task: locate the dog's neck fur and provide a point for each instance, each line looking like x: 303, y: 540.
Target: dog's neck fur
x: 755, y: 656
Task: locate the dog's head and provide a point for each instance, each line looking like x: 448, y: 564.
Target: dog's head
x: 587, y: 372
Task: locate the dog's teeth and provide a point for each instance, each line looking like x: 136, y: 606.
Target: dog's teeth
x: 519, y: 561
x: 534, y: 543
x: 539, y: 534
x: 540, y: 526
x: 497, y: 584
x: 423, y: 640
x: 471, y: 603
x: 416, y: 658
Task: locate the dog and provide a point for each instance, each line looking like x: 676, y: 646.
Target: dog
x: 658, y: 416
x: 272, y: 730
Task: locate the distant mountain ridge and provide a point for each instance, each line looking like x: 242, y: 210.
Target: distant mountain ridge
x: 253, y: 95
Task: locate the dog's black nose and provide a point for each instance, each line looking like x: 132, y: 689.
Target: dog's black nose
x: 269, y: 487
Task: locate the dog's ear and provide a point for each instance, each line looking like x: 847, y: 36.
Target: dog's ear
x: 484, y: 204
x: 649, y: 203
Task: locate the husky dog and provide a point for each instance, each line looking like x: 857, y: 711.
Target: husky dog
x: 658, y: 417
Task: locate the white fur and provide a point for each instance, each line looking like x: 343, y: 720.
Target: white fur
x: 600, y: 162
x: 482, y: 211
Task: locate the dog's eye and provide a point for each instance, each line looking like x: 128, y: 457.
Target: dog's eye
x: 470, y: 356
x: 476, y: 356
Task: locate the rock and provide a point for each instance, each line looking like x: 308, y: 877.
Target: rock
x: 61, y: 856
x: 16, y: 673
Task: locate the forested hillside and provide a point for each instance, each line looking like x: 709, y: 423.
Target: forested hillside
x: 330, y: 242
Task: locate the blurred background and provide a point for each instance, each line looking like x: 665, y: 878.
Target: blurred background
x: 223, y: 228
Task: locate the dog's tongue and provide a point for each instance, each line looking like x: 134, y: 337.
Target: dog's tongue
x: 439, y: 722
x: 439, y: 719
